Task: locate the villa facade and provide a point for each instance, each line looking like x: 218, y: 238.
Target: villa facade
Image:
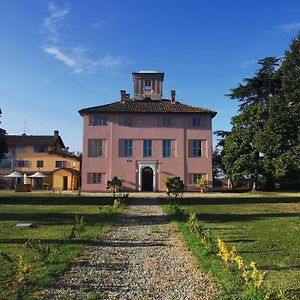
x: 143, y: 139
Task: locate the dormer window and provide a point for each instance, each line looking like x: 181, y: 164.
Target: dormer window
x: 148, y: 85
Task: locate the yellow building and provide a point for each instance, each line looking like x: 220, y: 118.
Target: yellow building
x: 46, y: 154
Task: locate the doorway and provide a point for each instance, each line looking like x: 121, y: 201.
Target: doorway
x: 147, y: 179
x: 65, y: 184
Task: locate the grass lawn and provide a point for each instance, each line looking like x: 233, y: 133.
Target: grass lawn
x: 264, y: 229
x: 53, y: 217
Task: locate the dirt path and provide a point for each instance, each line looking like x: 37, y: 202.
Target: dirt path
x: 142, y: 257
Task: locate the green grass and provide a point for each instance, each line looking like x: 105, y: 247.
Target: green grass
x: 53, y: 218
x: 265, y: 230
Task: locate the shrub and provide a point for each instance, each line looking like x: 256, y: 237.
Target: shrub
x: 175, y: 186
x: 202, y: 182
x: 114, y: 185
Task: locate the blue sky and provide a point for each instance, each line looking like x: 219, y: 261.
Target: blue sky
x: 57, y: 57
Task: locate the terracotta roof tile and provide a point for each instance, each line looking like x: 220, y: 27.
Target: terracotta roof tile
x: 146, y: 106
x: 33, y: 140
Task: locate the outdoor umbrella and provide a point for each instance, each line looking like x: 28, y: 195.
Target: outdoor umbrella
x: 37, y: 179
x: 38, y: 175
x: 14, y: 174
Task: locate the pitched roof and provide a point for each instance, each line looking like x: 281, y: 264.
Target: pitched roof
x: 146, y: 106
x: 33, y: 140
x: 70, y: 170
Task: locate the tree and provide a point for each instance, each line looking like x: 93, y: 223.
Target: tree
x: 175, y: 186
x: 242, y: 156
x: 115, y: 185
x: 3, y: 146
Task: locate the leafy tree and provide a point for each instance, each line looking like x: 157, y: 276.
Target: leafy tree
x: 175, y: 186
x: 3, y: 146
x: 288, y: 163
x: 115, y: 185
x: 242, y: 156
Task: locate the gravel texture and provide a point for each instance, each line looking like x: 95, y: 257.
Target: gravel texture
x: 141, y: 257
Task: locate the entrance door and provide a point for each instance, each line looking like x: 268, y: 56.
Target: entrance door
x: 147, y: 179
x: 65, y: 187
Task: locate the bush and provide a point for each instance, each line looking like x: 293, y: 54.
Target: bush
x: 175, y: 186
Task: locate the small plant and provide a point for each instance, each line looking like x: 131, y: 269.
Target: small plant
x: 78, y: 227
x: 41, y: 249
x: 202, y: 182
x: 166, y: 181
x: 177, y: 209
x: 224, y: 253
x: 23, y: 269
x: 175, y: 186
x: 114, y: 185
x: 117, y: 203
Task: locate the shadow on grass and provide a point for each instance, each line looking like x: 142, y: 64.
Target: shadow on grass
x: 217, y: 218
x: 39, y: 219
x: 232, y: 200
x: 57, y: 200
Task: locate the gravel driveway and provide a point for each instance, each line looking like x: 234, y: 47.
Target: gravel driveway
x: 142, y: 257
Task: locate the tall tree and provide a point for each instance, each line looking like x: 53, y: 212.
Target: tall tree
x: 283, y: 125
x: 3, y: 146
x: 242, y: 156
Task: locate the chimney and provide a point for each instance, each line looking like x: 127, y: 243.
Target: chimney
x: 56, y: 133
x: 124, y: 96
x: 173, y: 96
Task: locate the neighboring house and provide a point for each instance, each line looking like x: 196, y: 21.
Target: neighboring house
x: 45, y: 153
x: 144, y: 139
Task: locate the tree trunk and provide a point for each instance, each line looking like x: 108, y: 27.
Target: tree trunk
x: 254, y: 183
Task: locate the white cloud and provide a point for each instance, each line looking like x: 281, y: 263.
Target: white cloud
x: 290, y: 27
x: 58, y: 54
x: 110, y: 61
x: 52, y: 23
x: 76, y: 58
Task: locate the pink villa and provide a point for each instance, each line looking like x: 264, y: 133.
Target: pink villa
x: 143, y: 139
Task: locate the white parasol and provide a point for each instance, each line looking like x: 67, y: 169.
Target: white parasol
x: 38, y: 175
x: 14, y: 174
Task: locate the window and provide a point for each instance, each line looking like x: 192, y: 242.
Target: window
x: 21, y: 149
x: 95, y: 148
x: 197, y: 122
x: 147, y: 148
x: 40, y: 149
x: 148, y: 85
x: 126, y: 148
x: 40, y: 164
x: 195, y: 176
x: 166, y: 122
x: 127, y: 121
x: 93, y: 178
x: 97, y: 121
x: 194, y: 148
x: 21, y: 163
x: 167, y: 148
x: 60, y: 164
